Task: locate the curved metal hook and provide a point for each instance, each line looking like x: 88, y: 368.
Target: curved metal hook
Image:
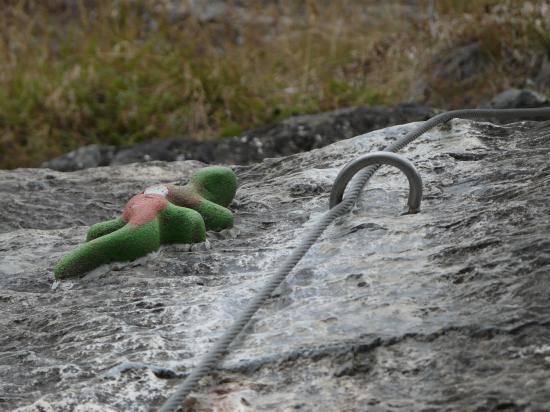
x: 388, y: 158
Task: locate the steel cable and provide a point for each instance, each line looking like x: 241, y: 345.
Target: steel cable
x: 216, y: 353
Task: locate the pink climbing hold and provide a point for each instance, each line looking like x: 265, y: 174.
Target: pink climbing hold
x: 143, y: 208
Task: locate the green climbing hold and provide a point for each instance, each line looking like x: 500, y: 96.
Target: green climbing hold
x: 161, y: 214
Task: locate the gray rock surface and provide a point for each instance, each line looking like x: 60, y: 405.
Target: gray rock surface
x: 518, y: 98
x: 294, y: 135
x: 443, y: 310
x: 85, y: 157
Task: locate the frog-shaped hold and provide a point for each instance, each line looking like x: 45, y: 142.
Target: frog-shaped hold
x: 161, y: 214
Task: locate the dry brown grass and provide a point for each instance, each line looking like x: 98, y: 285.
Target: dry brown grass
x: 118, y: 75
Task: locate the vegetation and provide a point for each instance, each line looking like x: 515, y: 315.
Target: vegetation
x: 81, y: 72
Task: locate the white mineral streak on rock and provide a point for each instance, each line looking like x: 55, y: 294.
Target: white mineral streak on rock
x: 156, y: 190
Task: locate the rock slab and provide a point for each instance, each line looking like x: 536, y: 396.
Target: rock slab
x: 293, y: 135
x: 443, y: 310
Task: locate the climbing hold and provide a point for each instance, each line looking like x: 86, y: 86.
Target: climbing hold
x: 161, y: 214
x: 209, y: 192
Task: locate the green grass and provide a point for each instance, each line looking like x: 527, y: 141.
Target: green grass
x: 106, y: 75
